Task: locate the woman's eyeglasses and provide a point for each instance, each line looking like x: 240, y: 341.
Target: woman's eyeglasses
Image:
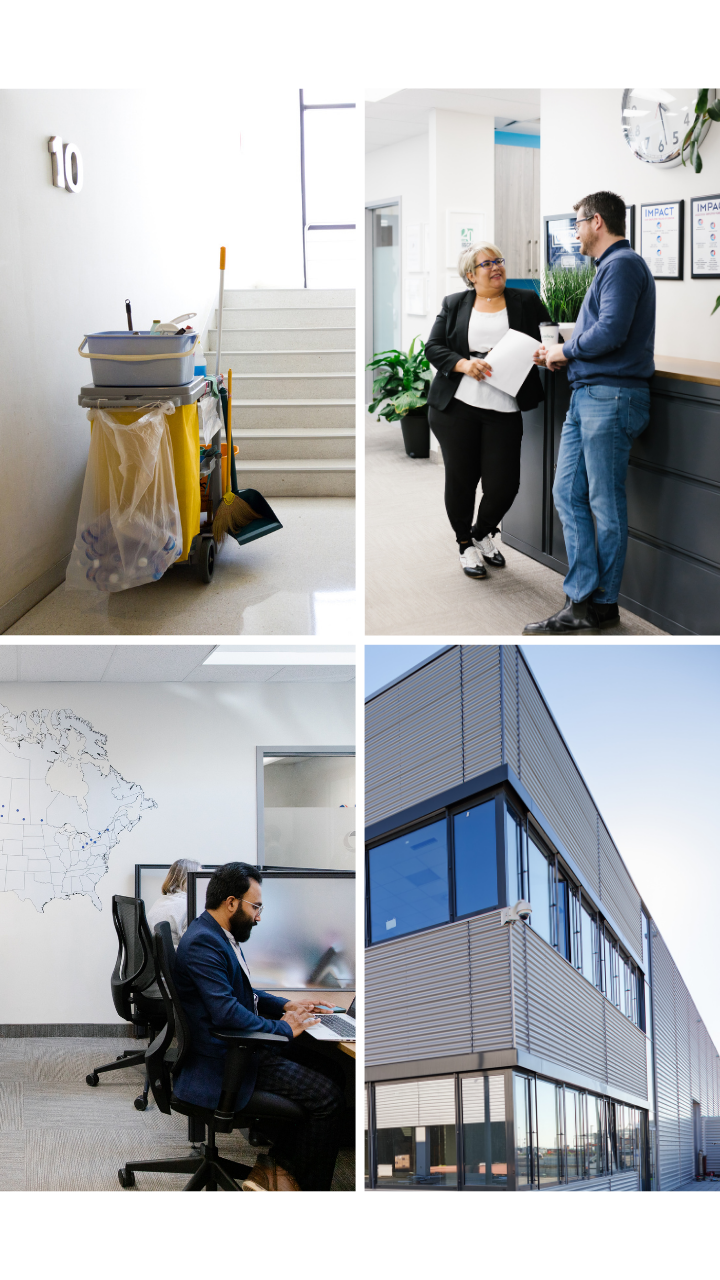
x: 491, y: 262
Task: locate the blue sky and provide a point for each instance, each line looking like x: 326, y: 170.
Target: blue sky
x: 643, y: 723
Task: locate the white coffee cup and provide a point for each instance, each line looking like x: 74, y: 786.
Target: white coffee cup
x: 550, y: 334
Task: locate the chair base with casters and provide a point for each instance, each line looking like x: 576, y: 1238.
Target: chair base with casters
x: 154, y: 1016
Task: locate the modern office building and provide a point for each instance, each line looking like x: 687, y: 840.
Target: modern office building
x: 508, y: 1049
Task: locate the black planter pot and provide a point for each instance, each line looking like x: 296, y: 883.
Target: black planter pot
x: 416, y: 433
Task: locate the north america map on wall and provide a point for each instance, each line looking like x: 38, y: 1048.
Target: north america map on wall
x: 63, y: 807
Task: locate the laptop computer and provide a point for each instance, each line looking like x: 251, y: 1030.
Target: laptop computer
x: 335, y: 1026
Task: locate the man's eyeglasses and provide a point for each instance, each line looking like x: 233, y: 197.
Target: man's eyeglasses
x: 577, y: 220
x: 491, y: 262
x: 256, y: 906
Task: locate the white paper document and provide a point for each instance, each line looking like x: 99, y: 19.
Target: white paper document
x: 511, y: 361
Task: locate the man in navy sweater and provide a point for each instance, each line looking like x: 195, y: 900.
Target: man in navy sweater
x: 609, y: 360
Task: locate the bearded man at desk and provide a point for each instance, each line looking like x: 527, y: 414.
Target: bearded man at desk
x: 213, y: 983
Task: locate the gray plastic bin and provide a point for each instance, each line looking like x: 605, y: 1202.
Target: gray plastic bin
x: 119, y: 358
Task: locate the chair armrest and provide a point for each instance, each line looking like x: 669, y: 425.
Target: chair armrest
x: 242, y: 1036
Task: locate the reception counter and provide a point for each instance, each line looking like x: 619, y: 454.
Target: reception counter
x: 672, y: 571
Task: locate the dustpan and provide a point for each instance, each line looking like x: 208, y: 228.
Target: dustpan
x: 267, y: 521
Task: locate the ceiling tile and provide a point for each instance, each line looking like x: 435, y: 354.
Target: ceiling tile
x: 314, y: 675
x: 9, y: 661
x: 155, y: 662
x: 63, y: 662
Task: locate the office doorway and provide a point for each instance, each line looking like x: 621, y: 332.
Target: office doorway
x: 383, y: 309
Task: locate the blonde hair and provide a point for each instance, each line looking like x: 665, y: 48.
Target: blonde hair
x: 176, y: 878
x: 466, y: 261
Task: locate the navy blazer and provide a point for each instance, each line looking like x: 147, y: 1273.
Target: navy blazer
x: 448, y: 343
x: 214, y: 991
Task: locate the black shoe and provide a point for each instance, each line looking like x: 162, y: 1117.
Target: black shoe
x: 489, y: 551
x: 608, y: 614
x: 572, y: 620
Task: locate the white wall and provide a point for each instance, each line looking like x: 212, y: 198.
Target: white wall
x: 192, y: 750
x: 165, y: 186
x: 583, y: 150
x: 401, y: 170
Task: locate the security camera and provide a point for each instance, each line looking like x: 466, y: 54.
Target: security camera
x: 521, y: 911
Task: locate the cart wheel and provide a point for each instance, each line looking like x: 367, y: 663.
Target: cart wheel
x: 126, y: 1177
x: 206, y: 559
x: 92, y: 1079
x: 140, y: 1104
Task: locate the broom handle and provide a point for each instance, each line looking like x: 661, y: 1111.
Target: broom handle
x: 221, y: 296
x: 229, y: 434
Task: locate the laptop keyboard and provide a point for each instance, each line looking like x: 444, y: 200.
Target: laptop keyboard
x: 341, y: 1026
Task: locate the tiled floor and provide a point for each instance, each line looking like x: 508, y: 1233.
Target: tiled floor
x: 294, y: 582
x: 58, y: 1134
x: 414, y: 585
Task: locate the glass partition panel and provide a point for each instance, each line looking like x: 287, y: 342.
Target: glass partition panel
x: 306, y: 935
x: 309, y: 811
x: 547, y: 1133
x: 484, y: 1141
x: 539, y: 891
x: 416, y: 1133
x: 408, y: 882
x: 523, y: 1131
x: 151, y: 882
x: 476, y: 886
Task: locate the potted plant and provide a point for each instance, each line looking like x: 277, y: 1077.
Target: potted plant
x: 401, y: 386
x: 563, y: 290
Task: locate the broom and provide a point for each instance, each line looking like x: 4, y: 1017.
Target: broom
x: 234, y: 513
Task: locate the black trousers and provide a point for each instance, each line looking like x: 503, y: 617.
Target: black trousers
x: 307, y: 1150
x: 478, y: 445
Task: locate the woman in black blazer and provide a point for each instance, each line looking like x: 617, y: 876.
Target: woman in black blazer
x: 479, y: 427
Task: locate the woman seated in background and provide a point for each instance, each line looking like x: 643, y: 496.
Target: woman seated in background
x: 479, y: 427
x: 172, y: 905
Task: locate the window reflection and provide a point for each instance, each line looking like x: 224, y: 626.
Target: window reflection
x: 484, y: 1142
x: 547, y: 1133
x: 409, y: 882
x: 539, y: 890
x: 476, y: 886
x: 573, y: 1135
x: 515, y: 842
x: 416, y: 1133
x: 524, y: 1173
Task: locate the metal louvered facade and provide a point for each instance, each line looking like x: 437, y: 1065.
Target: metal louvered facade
x: 475, y: 999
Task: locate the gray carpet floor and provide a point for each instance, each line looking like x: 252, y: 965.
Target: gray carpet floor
x: 58, y: 1134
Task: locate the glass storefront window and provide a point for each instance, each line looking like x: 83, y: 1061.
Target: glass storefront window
x: 547, y: 1133
x: 484, y: 1141
x: 523, y: 1131
x: 415, y: 1142
x: 539, y: 890
x: 573, y: 1135
x: 476, y: 886
x: 594, y: 1161
x: 408, y: 882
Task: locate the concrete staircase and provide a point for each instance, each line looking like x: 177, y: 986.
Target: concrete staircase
x: 292, y: 354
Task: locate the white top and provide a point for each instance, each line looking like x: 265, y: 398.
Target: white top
x: 485, y: 330
x: 173, y: 908
x: 242, y: 961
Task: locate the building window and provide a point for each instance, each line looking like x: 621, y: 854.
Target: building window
x: 484, y: 1139
x: 516, y: 857
x: 539, y: 888
x: 415, y: 1142
x: 524, y: 1168
x: 548, y: 1143
x: 589, y: 944
x: 476, y: 881
x: 574, y: 1160
x: 408, y: 883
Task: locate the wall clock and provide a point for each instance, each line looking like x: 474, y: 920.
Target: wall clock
x: 655, y: 121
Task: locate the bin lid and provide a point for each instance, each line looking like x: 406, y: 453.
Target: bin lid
x: 92, y: 397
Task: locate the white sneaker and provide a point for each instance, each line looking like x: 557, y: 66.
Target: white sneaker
x: 489, y: 551
x: 471, y: 563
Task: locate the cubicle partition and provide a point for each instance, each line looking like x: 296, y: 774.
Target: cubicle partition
x: 149, y: 877
x: 306, y: 937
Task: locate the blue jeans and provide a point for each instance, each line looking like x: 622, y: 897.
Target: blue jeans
x: 597, y: 437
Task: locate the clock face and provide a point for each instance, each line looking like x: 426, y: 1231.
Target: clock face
x: 655, y: 121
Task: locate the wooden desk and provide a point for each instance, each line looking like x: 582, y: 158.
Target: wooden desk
x: 348, y: 1047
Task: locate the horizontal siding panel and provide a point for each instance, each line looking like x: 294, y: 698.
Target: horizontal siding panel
x: 627, y: 1065
x: 618, y: 892
x: 482, y: 725
x: 417, y: 997
x: 668, y: 1127
x: 437, y: 682
x: 552, y: 779
x: 565, y: 1014
x: 510, y: 707
x: 490, y: 983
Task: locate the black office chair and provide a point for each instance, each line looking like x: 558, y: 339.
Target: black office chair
x: 210, y: 1171
x: 134, y: 972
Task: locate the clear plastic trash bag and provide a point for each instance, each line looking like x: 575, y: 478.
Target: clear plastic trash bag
x: 129, y: 529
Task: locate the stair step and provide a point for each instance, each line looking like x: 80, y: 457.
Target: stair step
x: 296, y: 433
x: 295, y: 444
x: 296, y: 317
x: 298, y: 477
x: 284, y: 363
x: 288, y: 386
x: 259, y: 299
x: 296, y: 464
x: 293, y: 413
x: 285, y: 338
